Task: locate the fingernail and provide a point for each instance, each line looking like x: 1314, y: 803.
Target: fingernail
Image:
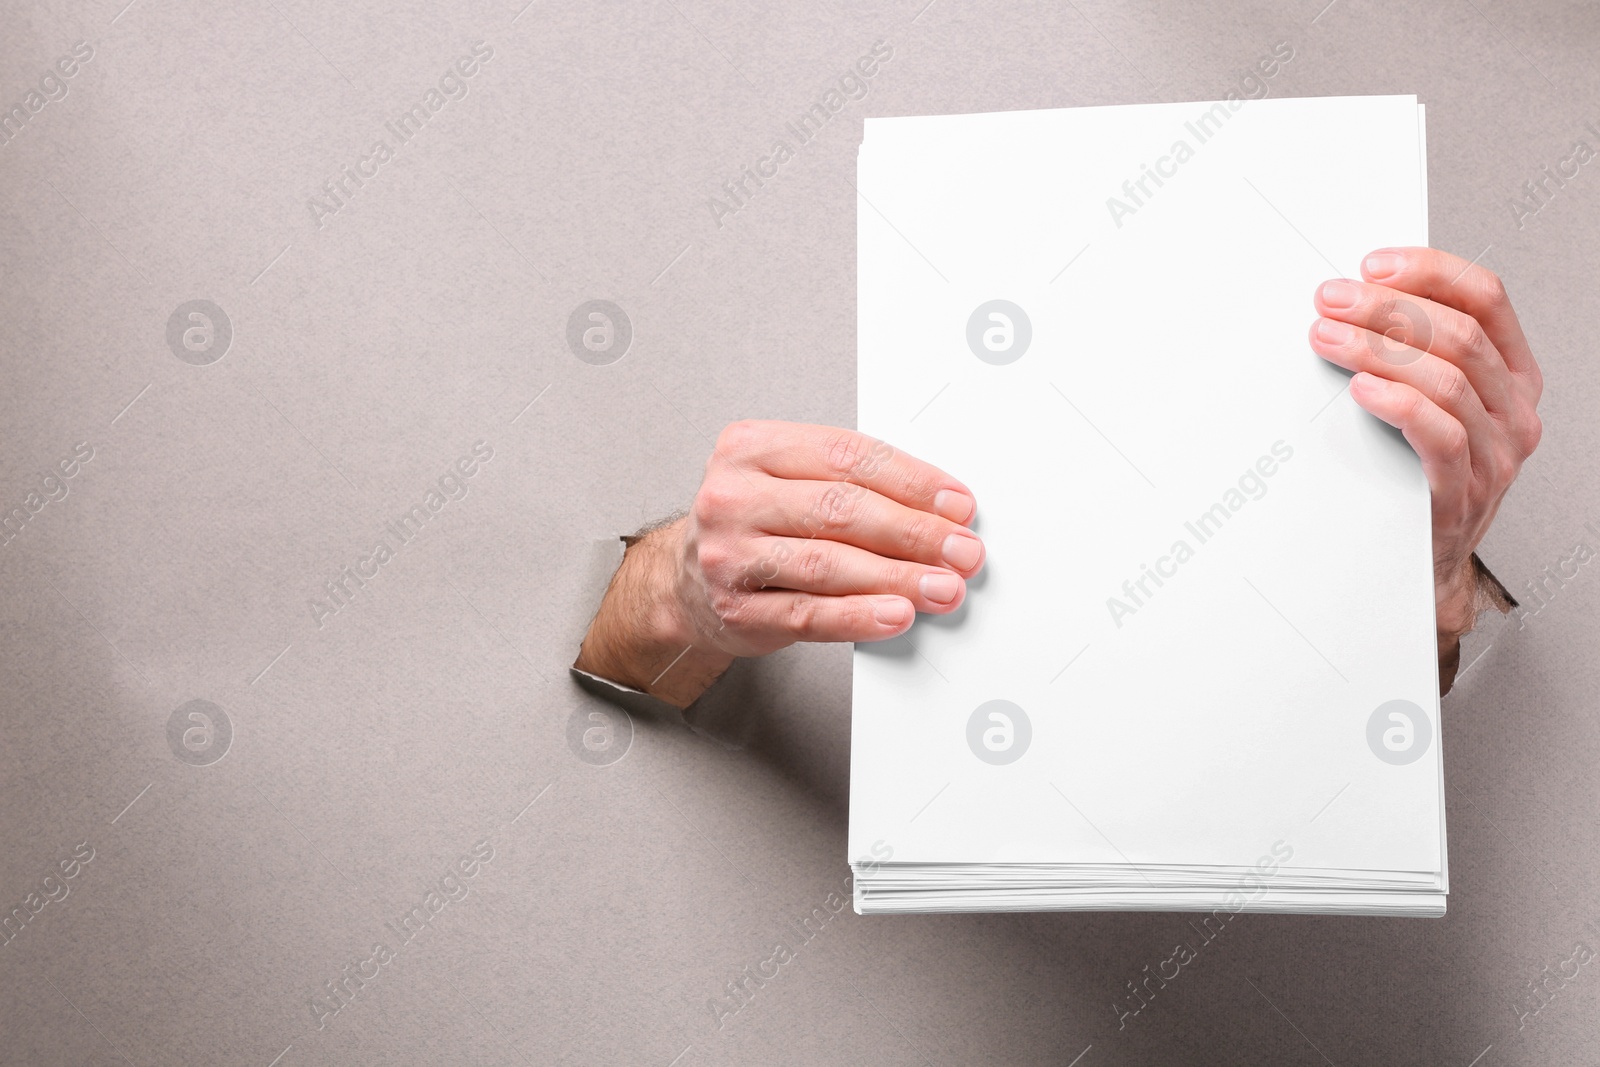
x: 957, y: 507
x: 939, y: 587
x: 1334, y: 332
x: 1383, y: 264
x: 1340, y: 294
x: 1365, y: 380
x: 962, y: 552
x: 891, y: 610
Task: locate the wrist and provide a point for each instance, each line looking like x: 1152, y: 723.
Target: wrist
x: 1455, y: 601
x: 1462, y: 594
x: 642, y: 636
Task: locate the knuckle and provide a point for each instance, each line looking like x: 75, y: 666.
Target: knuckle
x: 1453, y: 386
x: 1454, y: 443
x: 1417, y: 326
x: 878, y: 455
x: 1416, y: 405
x: 803, y: 615
x: 730, y: 606
x: 815, y: 566
x: 1462, y: 336
x: 1401, y: 322
x: 717, y: 498
x: 857, y: 616
x: 739, y: 438
x: 902, y: 579
x: 1473, y: 340
x: 922, y: 487
x: 1532, y: 434
x: 836, y: 509
x: 1524, y: 429
x: 1494, y: 290
x: 845, y: 451
x: 921, y: 537
x: 715, y: 558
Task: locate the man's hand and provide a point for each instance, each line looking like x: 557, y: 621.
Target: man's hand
x: 798, y: 533
x: 1439, y: 354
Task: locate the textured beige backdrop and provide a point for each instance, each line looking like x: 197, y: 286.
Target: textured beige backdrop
x: 623, y: 874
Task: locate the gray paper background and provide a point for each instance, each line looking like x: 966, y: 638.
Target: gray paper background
x: 372, y: 752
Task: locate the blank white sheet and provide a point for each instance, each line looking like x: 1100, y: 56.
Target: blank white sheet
x: 1168, y: 355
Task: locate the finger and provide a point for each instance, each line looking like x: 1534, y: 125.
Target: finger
x: 827, y: 453
x: 1467, y: 287
x: 778, y: 617
x: 832, y: 569
x: 1441, y: 381
x: 855, y: 515
x: 1401, y: 324
x: 1439, y: 440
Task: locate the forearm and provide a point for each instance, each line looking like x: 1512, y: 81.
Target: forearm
x: 1460, y: 602
x: 642, y: 637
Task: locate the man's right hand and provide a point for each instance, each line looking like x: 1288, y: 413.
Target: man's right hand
x: 798, y: 533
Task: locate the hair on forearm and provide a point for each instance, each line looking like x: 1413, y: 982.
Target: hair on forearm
x: 651, y: 527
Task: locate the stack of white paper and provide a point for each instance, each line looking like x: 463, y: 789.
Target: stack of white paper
x: 1199, y: 668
